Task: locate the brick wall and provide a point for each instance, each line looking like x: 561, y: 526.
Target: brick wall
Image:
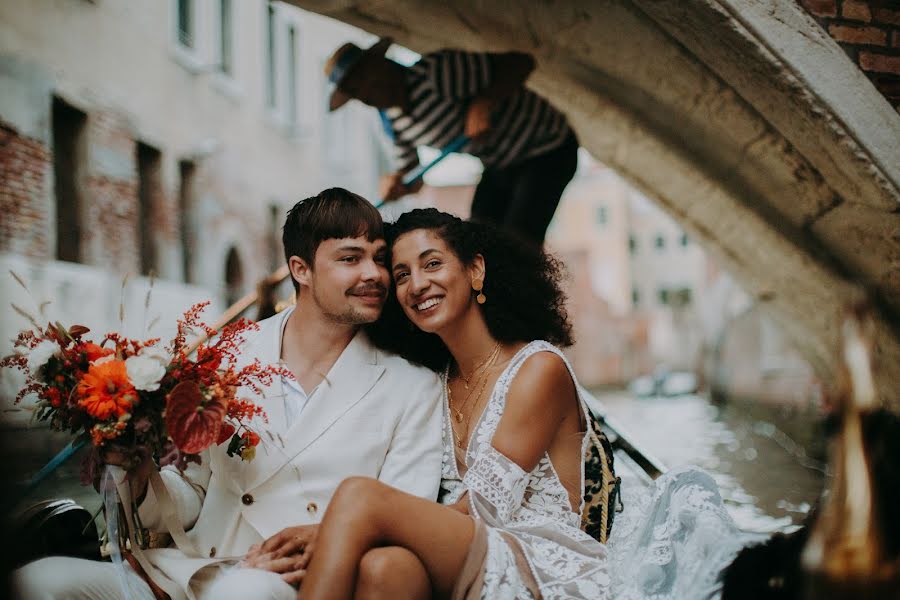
x: 110, y: 232
x: 869, y: 32
x: 24, y: 219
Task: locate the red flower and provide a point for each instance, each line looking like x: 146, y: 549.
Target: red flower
x: 193, y: 421
x: 225, y: 433
x: 250, y: 438
x: 92, y: 351
x: 53, y: 395
x: 106, y: 391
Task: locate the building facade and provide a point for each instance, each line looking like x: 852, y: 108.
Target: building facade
x: 644, y: 295
x: 163, y: 139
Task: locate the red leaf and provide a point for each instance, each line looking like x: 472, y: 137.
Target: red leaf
x: 225, y: 433
x: 193, y: 422
x: 77, y: 330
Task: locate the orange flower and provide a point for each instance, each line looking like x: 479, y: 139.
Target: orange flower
x: 92, y: 351
x: 106, y: 391
x: 105, y: 431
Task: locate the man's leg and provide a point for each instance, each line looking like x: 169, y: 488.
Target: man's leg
x: 238, y: 583
x: 539, y: 185
x: 61, y: 577
x: 492, y: 197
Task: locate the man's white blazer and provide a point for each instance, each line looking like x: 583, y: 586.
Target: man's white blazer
x: 374, y: 415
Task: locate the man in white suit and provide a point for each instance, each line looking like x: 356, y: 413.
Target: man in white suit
x: 351, y: 410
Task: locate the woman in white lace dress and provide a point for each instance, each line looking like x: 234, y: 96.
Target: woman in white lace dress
x: 508, y: 522
x: 515, y: 433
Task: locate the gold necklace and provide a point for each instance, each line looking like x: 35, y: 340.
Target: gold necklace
x: 460, y: 436
x: 458, y: 410
x: 474, y: 395
x: 491, y: 355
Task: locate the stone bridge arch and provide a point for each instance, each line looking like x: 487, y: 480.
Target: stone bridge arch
x: 742, y: 118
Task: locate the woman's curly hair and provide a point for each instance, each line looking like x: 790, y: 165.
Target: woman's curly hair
x: 522, y: 286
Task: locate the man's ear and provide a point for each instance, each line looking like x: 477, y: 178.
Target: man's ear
x: 300, y: 270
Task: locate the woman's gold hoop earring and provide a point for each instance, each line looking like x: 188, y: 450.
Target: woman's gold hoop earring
x: 477, y: 285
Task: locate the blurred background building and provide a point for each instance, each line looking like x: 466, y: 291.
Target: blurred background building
x: 166, y: 138
x: 169, y: 138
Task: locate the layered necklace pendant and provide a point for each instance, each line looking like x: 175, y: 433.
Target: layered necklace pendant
x: 478, y: 378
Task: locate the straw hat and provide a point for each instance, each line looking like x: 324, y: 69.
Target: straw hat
x: 347, y: 59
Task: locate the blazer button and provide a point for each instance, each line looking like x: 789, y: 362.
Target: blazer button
x: 212, y: 552
x: 247, y: 499
x: 312, y: 507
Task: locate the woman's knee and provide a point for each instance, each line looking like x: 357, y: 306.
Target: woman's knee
x: 391, y: 572
x: 358, y: 492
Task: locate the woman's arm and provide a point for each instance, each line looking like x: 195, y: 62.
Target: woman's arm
x: 541, y: 396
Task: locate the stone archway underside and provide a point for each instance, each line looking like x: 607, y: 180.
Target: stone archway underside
x: 742, y: 118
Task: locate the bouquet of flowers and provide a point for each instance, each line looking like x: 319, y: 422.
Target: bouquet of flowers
x: 142, y: 397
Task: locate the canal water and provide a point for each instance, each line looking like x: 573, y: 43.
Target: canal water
x: 768, y: 463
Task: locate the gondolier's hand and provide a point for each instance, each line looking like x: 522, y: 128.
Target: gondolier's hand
x: 478, y: 117
x: 139, y: 471
x: 287, y: 552
x: 392, y: 187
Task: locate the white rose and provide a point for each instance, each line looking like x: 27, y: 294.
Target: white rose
x: 144, y: 372
x: 40, y: 354
x: 157, y: 353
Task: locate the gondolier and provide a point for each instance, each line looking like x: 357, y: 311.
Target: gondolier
x: 528, y: 150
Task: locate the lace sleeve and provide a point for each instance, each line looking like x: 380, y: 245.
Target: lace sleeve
x: 498, y: 481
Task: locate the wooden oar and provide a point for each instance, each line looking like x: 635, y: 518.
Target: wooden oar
x: 419, y: 172
x: 245, y: 302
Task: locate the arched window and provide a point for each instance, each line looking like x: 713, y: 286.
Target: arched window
x: 234, y: 277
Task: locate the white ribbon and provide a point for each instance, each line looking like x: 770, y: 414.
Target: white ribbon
x: 113, y: 477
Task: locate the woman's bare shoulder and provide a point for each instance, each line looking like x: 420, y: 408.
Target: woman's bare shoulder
x: 543, y: 378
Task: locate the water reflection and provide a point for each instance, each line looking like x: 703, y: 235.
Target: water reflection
x: 769, y: 478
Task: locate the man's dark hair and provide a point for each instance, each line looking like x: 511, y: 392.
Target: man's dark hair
x: 331, y: 214
x: 524, y: 299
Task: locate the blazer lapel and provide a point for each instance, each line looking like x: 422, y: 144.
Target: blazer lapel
x: 266, y: 348
x: 347, y: 382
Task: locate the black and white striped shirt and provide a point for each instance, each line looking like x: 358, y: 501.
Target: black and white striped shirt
x: 440, y: 87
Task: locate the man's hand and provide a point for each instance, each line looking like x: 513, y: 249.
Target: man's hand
x: 287, y: 552
x: 462, y: 505
x: 391, y: 187
x: 478, y: 117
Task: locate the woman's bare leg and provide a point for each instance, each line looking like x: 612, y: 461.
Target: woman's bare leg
x: 389, y: 573
x: 366, y: 514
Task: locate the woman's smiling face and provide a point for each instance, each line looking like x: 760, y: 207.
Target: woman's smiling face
x: 434, y: 287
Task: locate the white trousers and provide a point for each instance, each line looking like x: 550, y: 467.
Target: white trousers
x: 63, y: 578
